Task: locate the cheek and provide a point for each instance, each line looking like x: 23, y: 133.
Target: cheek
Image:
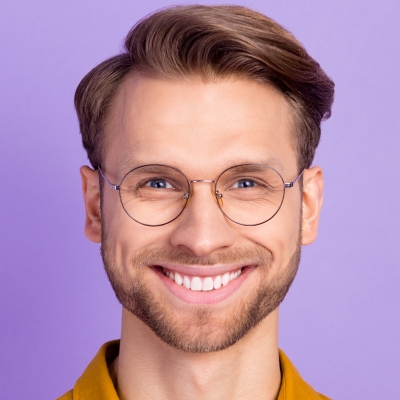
x: 290, y: 218
x: 280, y: 235
x: 124, y: 236
x: 118, y: 229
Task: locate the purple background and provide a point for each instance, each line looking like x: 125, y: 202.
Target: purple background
x: 340, y: 322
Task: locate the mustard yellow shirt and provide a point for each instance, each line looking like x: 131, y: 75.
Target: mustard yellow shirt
x: 96, y: 384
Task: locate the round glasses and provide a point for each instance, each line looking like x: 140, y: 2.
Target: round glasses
x: 248, y: 194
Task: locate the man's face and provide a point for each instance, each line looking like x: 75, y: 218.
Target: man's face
x: 201, y: 129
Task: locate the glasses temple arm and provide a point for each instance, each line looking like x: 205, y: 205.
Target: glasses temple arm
x: 113, y: 187
x: 290, y: 184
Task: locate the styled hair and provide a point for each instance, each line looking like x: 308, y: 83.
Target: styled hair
x: 211, y: 42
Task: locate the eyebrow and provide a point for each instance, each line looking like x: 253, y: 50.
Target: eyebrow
x: 128, y: 165
x: 270, y: 162
x: 249, y: 168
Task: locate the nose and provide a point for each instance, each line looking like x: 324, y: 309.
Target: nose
x: 202, y: 228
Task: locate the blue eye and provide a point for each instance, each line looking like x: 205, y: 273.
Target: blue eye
x: 244, y: 184
x: 159, y: 184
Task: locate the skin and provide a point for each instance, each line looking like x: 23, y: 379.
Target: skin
x: 202, y: 129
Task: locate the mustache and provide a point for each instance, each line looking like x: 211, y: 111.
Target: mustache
x: 247, y: 255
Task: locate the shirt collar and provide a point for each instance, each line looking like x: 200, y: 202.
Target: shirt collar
x: 95, y: 382
x: 292, y: 385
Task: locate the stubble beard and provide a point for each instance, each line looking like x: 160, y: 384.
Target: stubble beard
x: 199, y: 330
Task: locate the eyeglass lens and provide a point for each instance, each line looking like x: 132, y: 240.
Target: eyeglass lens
x: 247, y: 194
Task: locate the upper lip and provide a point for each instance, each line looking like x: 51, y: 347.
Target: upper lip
x: 202, y: 271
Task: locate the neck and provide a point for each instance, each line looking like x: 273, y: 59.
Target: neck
x: 148, y: 368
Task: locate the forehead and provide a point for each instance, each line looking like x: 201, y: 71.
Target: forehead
x: 198, y: 126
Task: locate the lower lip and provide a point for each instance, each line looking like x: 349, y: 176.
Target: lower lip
x: 200, y: 297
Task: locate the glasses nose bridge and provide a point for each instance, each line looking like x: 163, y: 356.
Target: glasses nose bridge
x: 204, y: 181
x: 190, y: 193
x: 201, y: 180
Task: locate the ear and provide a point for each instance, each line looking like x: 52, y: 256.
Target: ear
x: 313, y: 186
x: 91, y: 197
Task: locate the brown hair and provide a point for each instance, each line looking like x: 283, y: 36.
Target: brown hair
x: 211, y: 42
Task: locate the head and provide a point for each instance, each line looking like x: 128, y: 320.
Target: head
x: 202, y: 89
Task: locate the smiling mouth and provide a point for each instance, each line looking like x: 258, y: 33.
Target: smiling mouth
x: 205, y: 284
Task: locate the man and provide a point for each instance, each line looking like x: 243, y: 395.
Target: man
x: 201, y: 135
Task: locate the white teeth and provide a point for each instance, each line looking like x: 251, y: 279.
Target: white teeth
x: 225, y: 278
x: 196, y: 283
x: 208, y: 284
x: 186, y: 282
x: 217, y: 282
x: 178, y: 279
